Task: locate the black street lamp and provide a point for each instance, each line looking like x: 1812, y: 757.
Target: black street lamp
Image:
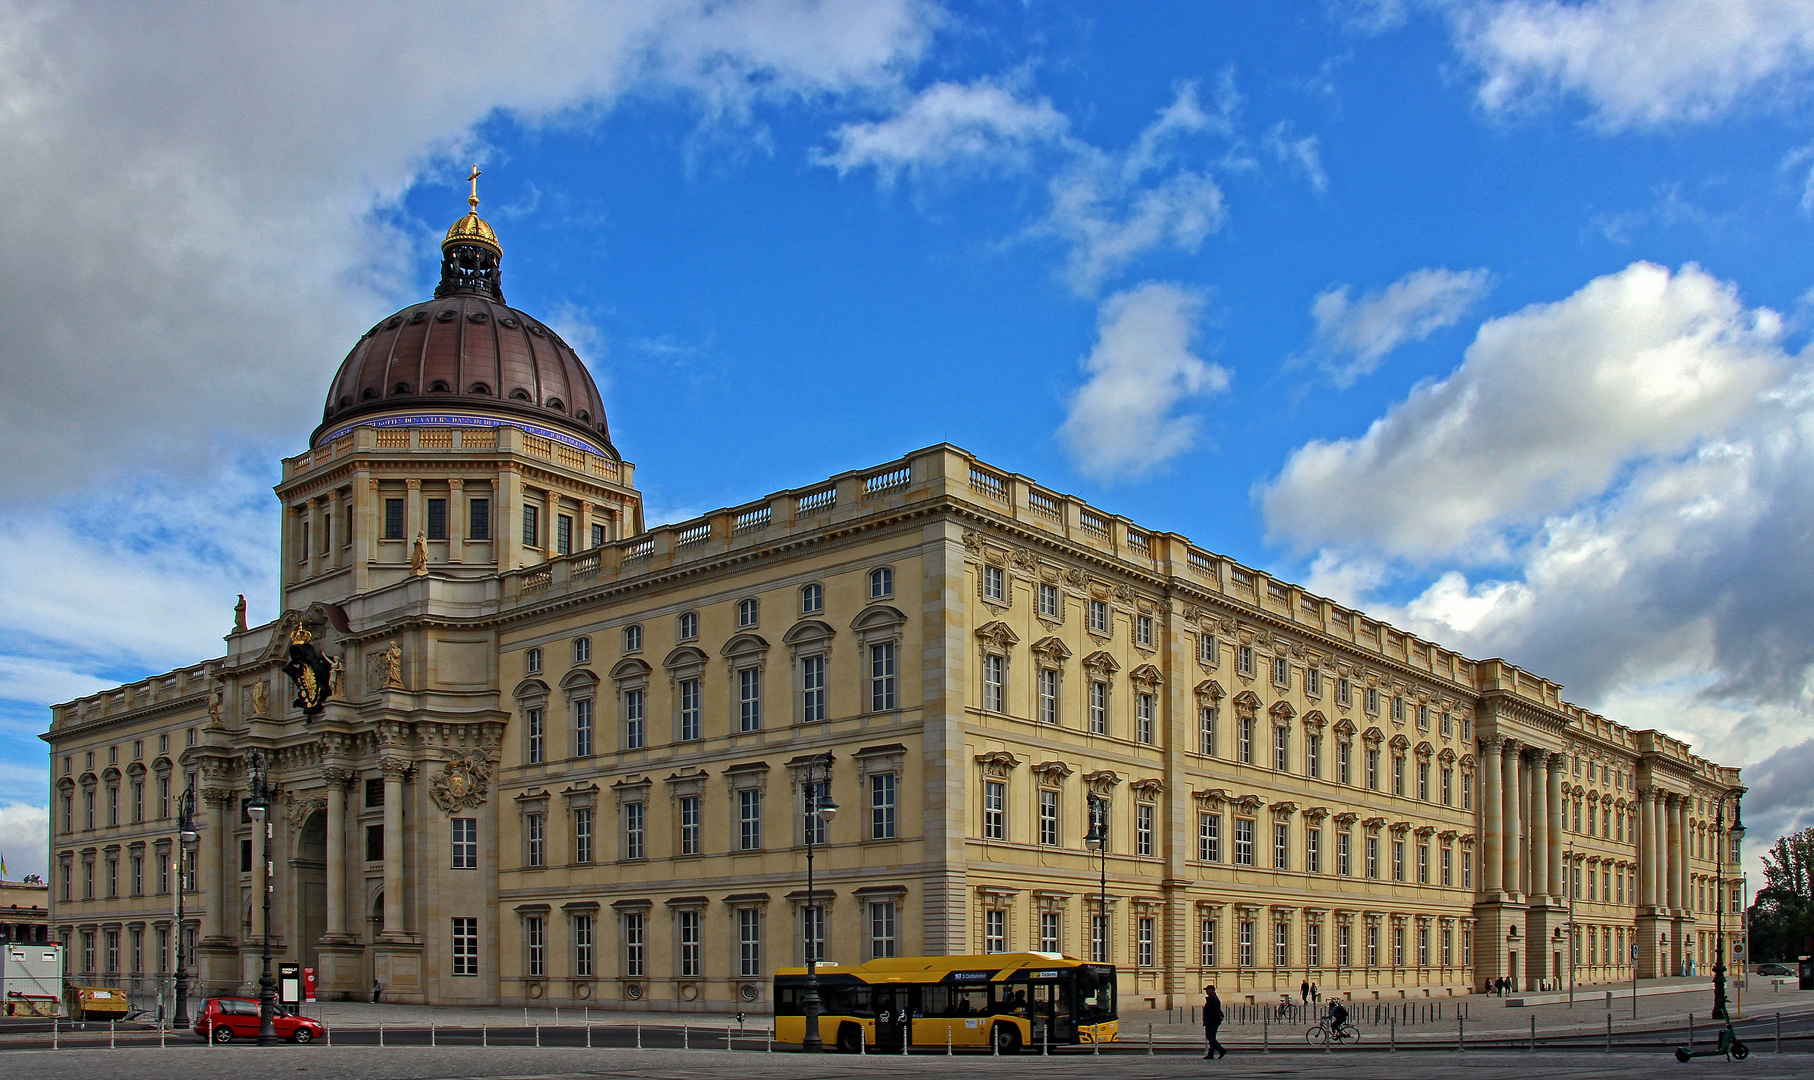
x: 186, y: 839
x: 819, y: 812
x: 259, y: 807
x: 1733, y: 835
x: 1098, y: 838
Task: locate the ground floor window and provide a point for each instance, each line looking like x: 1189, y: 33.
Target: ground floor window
x: 466, y: 946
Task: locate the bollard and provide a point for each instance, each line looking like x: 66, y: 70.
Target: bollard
x: 588, y: 1034
x: 484, y: 1035
x: 863, y: 1047
x: 1394, y: 1023
x: 535, y: 1029
x: 1461, y: 1034
x: 947, y: 1040
x: 906, y: 1035
x: 525, y: 1016
x: 110, y: 1028
x: 380, y: 1033
x: 639, y: 1035
x: 1609, y: 1033
x: 686, y: 1037
x: 431, y: 1034
x: 994, y: 1047
x: 161, y: 1028
x: 1533, y: 1046
x: 1691, y: 1031
x: 330, y: 1035
x: 727, y: 1038
x: 1149, y: 1040
x: 557, y: 1016
x: 53, y: 1033
x: 1265, y: 1035
x: 1096, y: 1045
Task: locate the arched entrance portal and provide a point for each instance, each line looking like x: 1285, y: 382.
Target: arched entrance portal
x: 309, y: 871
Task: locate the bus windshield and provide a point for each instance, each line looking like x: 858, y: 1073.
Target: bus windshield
x: 1095, y: 993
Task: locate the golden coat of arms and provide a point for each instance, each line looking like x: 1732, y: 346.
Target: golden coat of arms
x: 462, y: 782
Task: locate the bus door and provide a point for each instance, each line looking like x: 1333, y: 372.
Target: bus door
x: 1053, y: 1006
x: 894, y: 1015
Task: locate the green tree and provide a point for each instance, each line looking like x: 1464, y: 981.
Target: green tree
x: 1782, y: 913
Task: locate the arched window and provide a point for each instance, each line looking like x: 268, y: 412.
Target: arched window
x: 480, y: 388
x: 439, y: 386
x: 520, y: 394
x: 584, y: 416
x: 746, y: 612
x: 400, y: 388
x: 812, y: 598
x: 370, y: 393
x: 687, y: 625
x: 881, y: 582
x: 555, y: 403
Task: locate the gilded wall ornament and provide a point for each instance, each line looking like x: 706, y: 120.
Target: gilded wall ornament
x: 462, y: 782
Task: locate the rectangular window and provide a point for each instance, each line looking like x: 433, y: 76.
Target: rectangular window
x: 1372, y: 945
x: 1143, y: 718
x: 466, y: 946
x: 749, y: 699
x: 1313, y: 682
x: 995, y: 676
x: 687, y: 926
x: 535, y: 736
x: 138, y: 877
x: 478, y: 521
x: 374, y: 843
x: 1048, y: 601
x: 749, y: 943
x: 1371, y: 699
x: 1341, y: 946
x: 1143, y: 830
x: 563, y: 534
x: 1281, y: 749
x: 689, y: 825
x: 1467, y: 791
x: 1099, y: 708
x: 1143, y: 630
x: 582, y: 834
x: 689, y: 710
x: 1313, y: 756
x: 1143, y: 939
x: 1048, y: 696
x: 1423, y: 718
x: 1398, y: 860
x: 1448, y: 790
x: 881, y: 806
x: 1281, y: 672
x: 163, y: 799
x: 1206, y: 649
x: 1244, y: 660
x: 1372, y: 768
x: 635, y: 723
x: 995, y: 794
x: 113, y: 952
x: 881, y: 929
x: 1313, y: 945
x: 1281, y: 846
x: 1373, y: 857
x: 393, y: 519
x: 1398, y: 946
x: 1209, y: 837
x: 636, y: 945
x: 1448, y: 939
x: 1099, y: 617
x: 1342, y: 853
x: 881, y: 677
x: 1206, y: 942
x: 995, y: 931
x: 1467, y: 869
x: 532, y: 526
x: 812, y: 689
x: 749, y: 820
x: 582, y: 946
x: 1281, y: 945
x: 635, y: 830
x: 1206, y: 731
x: 138, y: 800
x: 1246, y: 944
x: 1423, y: 946
x: 1244, y: 740
x: 535, y: 938
x: 536, y: 829
x: 1423, y: 864
x: 598, y: 534
x: 1243, y: 841
x: 1048, y: 817
x: 1313, y: 850
x: 582, y: 727
x: 1448, y: 867
x: 437, y: 519
x: 1050, y: 926
x: 465, y: 843
x: 1423, y: 781
x: 994, y: 582
x: 1344, y: 691
x: 1344, y: 752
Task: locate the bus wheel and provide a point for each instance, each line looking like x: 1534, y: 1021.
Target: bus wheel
x: 850, y: 1039
x: 1007, y: 1039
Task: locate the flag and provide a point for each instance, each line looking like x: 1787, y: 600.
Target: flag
x: 2, y: 867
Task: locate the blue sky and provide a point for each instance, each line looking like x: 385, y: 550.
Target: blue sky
x: 1488, y: 316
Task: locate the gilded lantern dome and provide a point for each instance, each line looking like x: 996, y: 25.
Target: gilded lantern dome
x: 466, y: 357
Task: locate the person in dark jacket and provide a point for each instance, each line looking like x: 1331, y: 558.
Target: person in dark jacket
x: 1212, y: 1019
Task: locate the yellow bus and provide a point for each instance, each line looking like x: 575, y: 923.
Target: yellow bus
x: 1015, y: 1000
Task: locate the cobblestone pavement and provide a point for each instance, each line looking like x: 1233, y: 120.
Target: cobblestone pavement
x: 195, y: 1062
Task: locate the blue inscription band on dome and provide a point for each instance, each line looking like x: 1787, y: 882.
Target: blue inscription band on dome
x: 460, y: 420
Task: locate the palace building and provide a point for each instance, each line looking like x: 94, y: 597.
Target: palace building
x: 563, y: 758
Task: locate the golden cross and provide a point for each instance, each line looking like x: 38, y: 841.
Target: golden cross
x: 473, y: 201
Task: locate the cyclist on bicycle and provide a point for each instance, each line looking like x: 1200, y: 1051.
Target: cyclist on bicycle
x: 1337, y: 1016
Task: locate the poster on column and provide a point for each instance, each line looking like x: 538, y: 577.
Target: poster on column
x: 308, y: 986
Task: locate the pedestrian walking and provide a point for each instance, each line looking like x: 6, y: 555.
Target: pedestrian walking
x: 1316, y: 993
x: 1212, y: 1019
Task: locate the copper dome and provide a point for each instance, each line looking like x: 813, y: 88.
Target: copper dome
x: 466, y: 350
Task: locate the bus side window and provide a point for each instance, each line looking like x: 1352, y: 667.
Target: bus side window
x: 935, y: 1001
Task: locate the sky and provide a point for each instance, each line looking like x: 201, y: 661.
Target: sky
x: 1490, y: 317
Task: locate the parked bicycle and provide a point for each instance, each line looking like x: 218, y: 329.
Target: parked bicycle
x: 1323, y: 1034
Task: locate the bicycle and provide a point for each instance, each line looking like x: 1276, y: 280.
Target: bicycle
x: 1322, y: 1034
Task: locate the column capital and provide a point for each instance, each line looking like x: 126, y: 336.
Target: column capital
x: 456, y: 483
x: 412, y: 483
x: 396, y: 768
x: 1492, y: 744
x: 337, y: 775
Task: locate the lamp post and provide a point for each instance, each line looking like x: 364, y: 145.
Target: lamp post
x: 1573, y: 946
x: 259, y: 807
x: 1733, y: 836
x: 1098, y: 838
x: 819, y: 812
x: 186, y: 839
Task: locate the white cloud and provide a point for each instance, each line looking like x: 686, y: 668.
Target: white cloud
x: 1302, y: 153
x: 1639, y: 461
x: 24, y: 840
x: 1638, y: 62
x: 1353, y: 335
x: 199, y: 240
x: 1797, y: 159
x: 981, y: 125
x: 1121, y: 422
x: 1548, y: 405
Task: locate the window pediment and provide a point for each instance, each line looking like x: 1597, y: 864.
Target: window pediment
x: 745, y: 647
x: 1101, y: 665
x: 808, y: 632
x: 997, y: 636
x: 530, y: 688
x: 580, y: 680
x: 878, y: 617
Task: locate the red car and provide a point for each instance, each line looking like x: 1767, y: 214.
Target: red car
x: 226, y: 1019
